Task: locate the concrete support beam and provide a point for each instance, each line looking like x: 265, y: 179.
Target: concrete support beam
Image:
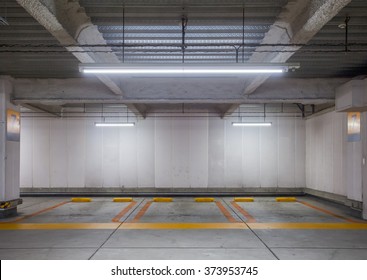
x: 54, y: 111
x: 297, y: 24
x: 70, y: 25
x: 138, y: 109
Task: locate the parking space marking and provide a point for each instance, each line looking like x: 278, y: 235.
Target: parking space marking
x: 226, y: 213
x: 142, y: 212
x: 182, y: 226
x: 123, y: 212
x: 307, y: 226
x: 248, y: 216
x: 39, y: 212
x: 57, y: 226
x: 328, y: 212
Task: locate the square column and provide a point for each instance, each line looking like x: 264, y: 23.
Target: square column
x: 364, y: 162
x: 9, y: 151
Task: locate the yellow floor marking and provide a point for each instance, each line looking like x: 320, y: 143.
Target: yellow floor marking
x: 117, y: 218
x: 243, y: 199
x: 225, y: 212
x: 58, y: 226
x: 122, y: 199
x: 142, y: 212
x: 248, y: 216
x: 162, y: 199
x: 81, y: 199
x: 38, y: 212
x: 182, y: 226
x: 328, y: 212
x: 285, y: 199
x: 331, y: 226
x: 204, y: 199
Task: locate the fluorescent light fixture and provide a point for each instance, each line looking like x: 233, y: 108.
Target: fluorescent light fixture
x: 114, y: 124
x: 182, y: 69
x: 251, y: 123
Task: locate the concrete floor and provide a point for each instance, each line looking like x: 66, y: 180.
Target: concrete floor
x: 55, y: 228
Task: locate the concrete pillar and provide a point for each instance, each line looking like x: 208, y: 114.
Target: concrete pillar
x: 9, y: 151
x: 364, y: 162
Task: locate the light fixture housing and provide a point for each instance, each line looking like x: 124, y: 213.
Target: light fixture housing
x: 253, y: 124
x: 114, y: 124
x: 187, y: 69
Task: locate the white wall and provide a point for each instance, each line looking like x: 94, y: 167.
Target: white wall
x: 162, y: 152
x: 332, y: 164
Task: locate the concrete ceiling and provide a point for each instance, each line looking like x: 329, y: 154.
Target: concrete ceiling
x: 47, y: 39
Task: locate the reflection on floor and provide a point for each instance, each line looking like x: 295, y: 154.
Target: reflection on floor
x: 144, y: 228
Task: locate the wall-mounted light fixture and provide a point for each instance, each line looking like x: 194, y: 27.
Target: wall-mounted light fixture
x: 251, y: 124
x: 114, y: 124
x: 183, y: 69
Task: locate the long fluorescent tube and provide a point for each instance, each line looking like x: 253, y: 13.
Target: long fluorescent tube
x: 182, y: 69
x: 251, y: 124
x: 114, y: 124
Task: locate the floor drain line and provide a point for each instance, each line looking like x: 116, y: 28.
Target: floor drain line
x: 116, y: 229
x: 262, y: 241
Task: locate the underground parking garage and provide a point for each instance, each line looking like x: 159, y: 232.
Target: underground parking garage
x: 210, y: 130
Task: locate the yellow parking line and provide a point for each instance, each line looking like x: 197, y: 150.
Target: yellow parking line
x: 247, y: 215
x: 58, y: 226
x: 182, y: 226
x: 225, y: 212
x: 328, y: 212
x: 331, y: 226
x: 142, y: 212
x: 123, y: 212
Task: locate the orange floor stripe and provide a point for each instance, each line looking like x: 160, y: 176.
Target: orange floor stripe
x: 40, y: 212
x: 247, y: 215
x: 117, y: 218
x: 142, y: 212
x: 328, y: 212
x: 225, y: 212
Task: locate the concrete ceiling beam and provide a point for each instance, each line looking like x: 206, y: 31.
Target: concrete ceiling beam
x: 54, y: 111
x: 298, y: 23
x: 70, y: 25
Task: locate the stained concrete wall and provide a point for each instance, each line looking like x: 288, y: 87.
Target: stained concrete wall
x: 162, y: 153
x: 333, y: 164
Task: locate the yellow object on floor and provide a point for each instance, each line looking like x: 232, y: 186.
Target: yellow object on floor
x: 81, y: 199
x: 122, y: 199
x: 243, y: 199
x: 285, y: 199
x: 162, y: 199
x: 204, y: 199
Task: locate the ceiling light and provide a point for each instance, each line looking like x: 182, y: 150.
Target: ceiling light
x: 251, y: 123
x: 182, y: 69
x: 114, y: 124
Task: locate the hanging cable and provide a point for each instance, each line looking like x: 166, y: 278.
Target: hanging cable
x: 347, y: 19
x: 243, y: 34
x: 184, y: 21
x: 123, y: 34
